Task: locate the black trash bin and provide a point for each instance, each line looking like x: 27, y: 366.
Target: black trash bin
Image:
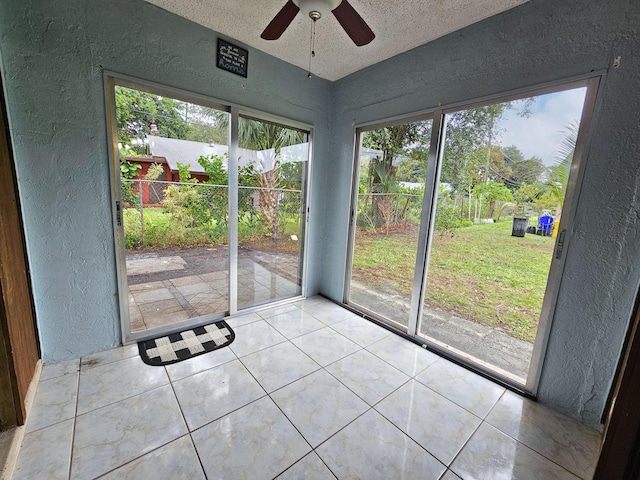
x: 519, y: 226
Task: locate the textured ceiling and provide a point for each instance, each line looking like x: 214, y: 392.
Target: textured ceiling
x: 399, y: 25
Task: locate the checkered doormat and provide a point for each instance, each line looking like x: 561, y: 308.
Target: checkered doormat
x: 187, y: 344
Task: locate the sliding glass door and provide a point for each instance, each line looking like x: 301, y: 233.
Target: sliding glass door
x: 475, y: 274
x: 173, y: 208
x: 504, y: 174
x: 273, y: 162
x: 209, y: 208
x: 390, y: 183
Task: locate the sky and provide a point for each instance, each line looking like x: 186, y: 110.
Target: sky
x: 540, y: 134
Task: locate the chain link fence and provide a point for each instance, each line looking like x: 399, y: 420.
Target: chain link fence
x: 166, y: 214
x: 383, y: 210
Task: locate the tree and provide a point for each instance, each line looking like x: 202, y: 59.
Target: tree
x: 206, y: 124
x: 414, y: 168
x: 467, y: 131
x: 528, y: 194
x: 528, y: 171
x: 493, y: 192
x: 136, y: 111
x: 512, y: 155
x: 213, y: 165
x: 410, y: 140
x: 447, y: 220
x: 469, y: 158
x: 558, y: 176
x: 263, y: 136
x: 522, y: 170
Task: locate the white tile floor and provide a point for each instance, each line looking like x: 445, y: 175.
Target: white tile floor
x: 306, y: 391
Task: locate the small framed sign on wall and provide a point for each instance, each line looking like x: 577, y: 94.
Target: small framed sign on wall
x: 232, y: 58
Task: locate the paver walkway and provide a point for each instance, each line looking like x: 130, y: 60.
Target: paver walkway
x: 167, y: 287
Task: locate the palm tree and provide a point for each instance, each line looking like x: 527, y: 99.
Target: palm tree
x: 558, y: 174
x: 260, y: 136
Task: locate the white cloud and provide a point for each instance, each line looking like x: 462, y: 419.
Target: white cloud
x: 540, y: 133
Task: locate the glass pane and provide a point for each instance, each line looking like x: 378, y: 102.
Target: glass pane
x: 502, y: 185
x: 271, y: 211
x: 393, y: 165
x: 173, y: 158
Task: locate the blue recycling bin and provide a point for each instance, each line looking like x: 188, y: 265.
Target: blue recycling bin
x: 545, y: 225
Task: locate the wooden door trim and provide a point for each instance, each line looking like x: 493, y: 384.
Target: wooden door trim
x: 10, y: 413
x: 18, y: 319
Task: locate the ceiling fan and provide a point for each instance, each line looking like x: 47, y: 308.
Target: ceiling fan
x: 351, y: 21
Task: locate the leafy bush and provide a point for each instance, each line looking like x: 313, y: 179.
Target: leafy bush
x: 132, y: 240
x: 213, y: 166
x: 128, y: 171
x: 447, y: 220
x: 196, y: 213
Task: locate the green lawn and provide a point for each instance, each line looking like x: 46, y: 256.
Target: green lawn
x: 482, y: 274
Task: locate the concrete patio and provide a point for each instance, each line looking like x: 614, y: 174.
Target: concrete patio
x: 166, y: 289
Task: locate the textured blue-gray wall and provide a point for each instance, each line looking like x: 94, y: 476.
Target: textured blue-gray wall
x: 540, y: 41
x: 53, y: 56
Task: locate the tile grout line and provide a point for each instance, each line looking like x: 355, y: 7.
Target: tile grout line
x: 455, y: 457
x: 140, y: 456
x: 532, y: 449
x: 90, y: 366
x: 122, y: 399
x: 484, y: 420
x: 413, y: 440
x: 372, y: 407
x: 223, y: 416
x: 228, y: 413
x: 75, y: 419
x: 313, y: 449
x: 369, y: 407
x: 290, y: 423
x: 184, y: 419
x: 300, y: 460
x: 396, y: 389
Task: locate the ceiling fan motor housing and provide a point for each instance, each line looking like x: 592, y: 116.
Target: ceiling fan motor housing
x: 324, y: 7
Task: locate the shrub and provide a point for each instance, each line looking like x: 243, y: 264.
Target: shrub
x: 132, y: 240
x: 447, y: 220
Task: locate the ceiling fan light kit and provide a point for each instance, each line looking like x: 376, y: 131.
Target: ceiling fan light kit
x: 310, y: 7
x: 347, y: 17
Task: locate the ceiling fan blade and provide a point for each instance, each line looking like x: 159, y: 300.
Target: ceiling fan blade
x: 281, y: 21
x: 353, y: 24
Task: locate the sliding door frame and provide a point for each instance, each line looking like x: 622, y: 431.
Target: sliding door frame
x: 235, y: 111
x: 593, y: 82
x: 304, y: 207
x: 427, y: 221
x: 424, y: 115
